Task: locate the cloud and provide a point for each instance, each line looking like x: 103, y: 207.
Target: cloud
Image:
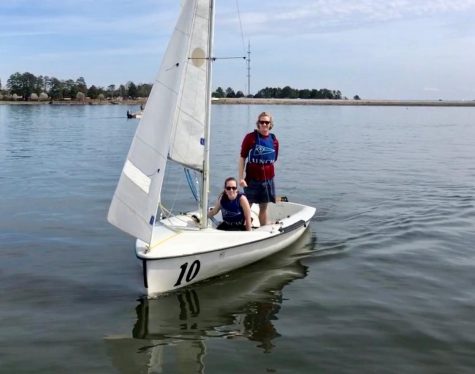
x: 308, y: 16
x: 88, y: 17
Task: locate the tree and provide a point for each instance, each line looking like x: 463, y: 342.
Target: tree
x: 80, y: 96
x: 14, y: 83
x: 289, y: 93
x: 81, y: 85
x: 46, y: 83
x: 219, y: 93
x: 40, y: 84
x: 111, y: 90
x: 143, y: 90
x: 93, y: 92
x: 356, y: 97
x: 122, y: 90
x: 304, y: 94
x: 230, y: 92
x: 131, y: 90
x: 70, y: 88
x: 56, y: 90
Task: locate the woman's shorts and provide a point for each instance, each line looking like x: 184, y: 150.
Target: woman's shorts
x: 229, y: 227
x: 260, y: 191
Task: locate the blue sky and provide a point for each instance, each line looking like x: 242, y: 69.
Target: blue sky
x: 395, y: 49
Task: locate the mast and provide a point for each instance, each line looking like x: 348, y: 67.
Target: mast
x: 207, y: 132
x: 249, y: 68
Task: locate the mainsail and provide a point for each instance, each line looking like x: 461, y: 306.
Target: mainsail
x: 172, y: 125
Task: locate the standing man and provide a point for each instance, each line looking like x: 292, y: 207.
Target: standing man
x: 259, y: 151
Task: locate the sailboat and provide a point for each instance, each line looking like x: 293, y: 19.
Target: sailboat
x: 180, y: 250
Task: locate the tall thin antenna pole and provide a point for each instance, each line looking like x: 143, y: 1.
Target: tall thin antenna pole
x: 249, y: 69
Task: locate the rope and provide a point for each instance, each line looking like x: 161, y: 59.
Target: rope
x: 240, y: 27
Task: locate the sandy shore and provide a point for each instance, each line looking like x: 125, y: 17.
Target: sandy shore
x: 464, y: 103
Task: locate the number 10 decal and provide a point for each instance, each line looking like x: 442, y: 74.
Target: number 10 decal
x: 190, y: 274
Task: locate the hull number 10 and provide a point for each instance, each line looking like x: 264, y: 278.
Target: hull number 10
x: 190, y: 272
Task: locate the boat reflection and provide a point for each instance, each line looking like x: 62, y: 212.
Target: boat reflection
x: 171, y: 332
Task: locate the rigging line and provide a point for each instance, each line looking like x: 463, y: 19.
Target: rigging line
x: 217, y: 58
x: 240, y: 26
x: 229, y: 58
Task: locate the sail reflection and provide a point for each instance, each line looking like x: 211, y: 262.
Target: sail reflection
x: 171, y: 332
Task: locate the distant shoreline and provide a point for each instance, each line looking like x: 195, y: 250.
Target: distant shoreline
x: 456, y: 103
x: 74, y: 102
x: 255, y: 101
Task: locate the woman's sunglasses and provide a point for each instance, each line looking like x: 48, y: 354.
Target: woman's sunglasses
x: 229, y: 188
x: 264, y: 122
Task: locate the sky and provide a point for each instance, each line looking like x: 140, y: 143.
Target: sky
x: 377, y: 49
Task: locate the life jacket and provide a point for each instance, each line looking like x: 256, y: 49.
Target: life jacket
x: 231, y: 210
x: 263, y: 151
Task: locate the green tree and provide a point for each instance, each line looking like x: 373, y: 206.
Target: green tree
x: 219, y: 93
x: 70, y: 88
x: 230, y: 92
x: 56, y: 89
x: 143, y: 90
x: 122, y: 91
x: 22, y: 84
x: 304, y: 94
x: 289, y: 93
x: 93, y: 92
x: 14, y: 84
x: 111, y: 90
x: 81, y: 85
x: 131, y: 90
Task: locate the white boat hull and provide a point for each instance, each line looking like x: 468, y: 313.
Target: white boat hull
x: 182, y: 254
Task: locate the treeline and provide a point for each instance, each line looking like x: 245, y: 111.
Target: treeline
x: 27, y: 86
x: 282, y: 93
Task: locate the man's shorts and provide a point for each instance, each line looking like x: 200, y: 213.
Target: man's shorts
x: 260, y: 191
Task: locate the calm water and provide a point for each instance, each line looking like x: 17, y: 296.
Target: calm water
x: 383, y: 282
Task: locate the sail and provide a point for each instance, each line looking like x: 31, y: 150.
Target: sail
x: 187, y: 138
x: 172, y: 124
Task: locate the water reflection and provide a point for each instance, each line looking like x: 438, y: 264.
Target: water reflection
x: 170, y: 333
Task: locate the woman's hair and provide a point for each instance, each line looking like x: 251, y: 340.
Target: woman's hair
x: 230, y: 179
x: 264, y: 114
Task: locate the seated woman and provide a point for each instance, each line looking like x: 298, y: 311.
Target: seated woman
x: 234, y: 207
